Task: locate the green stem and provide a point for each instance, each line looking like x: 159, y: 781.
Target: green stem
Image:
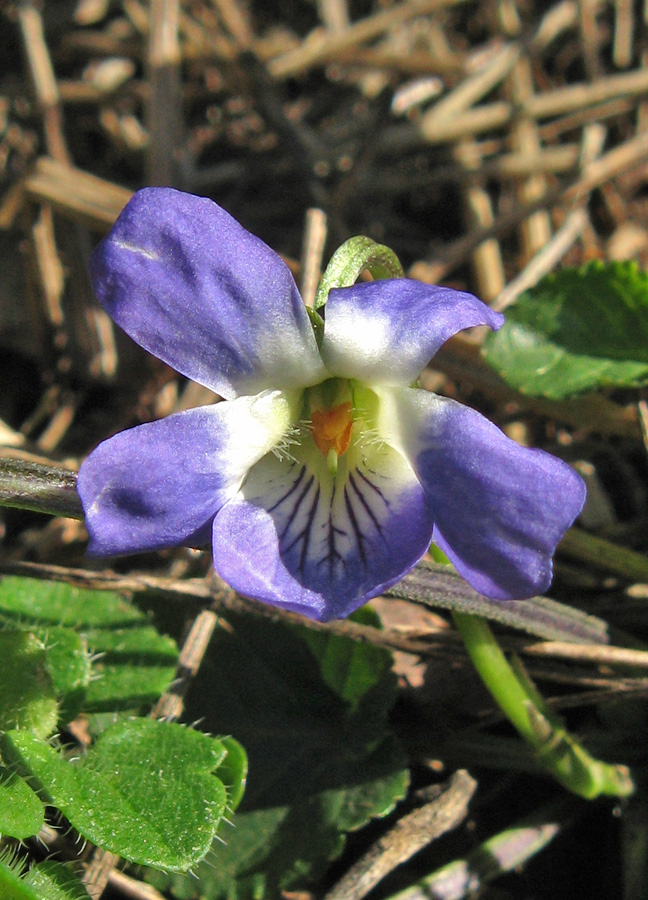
x: 495, y: 672
x: 518, y: 698
x: 605, y: 555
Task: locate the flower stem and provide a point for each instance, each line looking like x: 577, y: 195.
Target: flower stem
x: 518, y: 698
x: 494, y: 670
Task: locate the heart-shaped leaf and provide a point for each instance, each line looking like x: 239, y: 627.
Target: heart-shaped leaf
x: 147, y: 790
x: 576, y: 331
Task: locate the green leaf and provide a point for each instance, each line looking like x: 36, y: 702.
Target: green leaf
x: 134, y: 666
x: 349, y: 668
x: 47, y: 881
x: 578, y: 330
x: 322, y: 759
x: 28, y: 599
x: 55, y: 666
x: 233, y: 771
x: 68, y: 664
x: 54, y: 881
x: 437, y: 586
x: 27, y: 697
x: 12, y: 886
x: 147, y: 790
x: 21, y: 812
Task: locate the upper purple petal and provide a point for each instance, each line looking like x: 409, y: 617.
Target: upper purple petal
x: 296, y: 538
x: 499, y: 509
x: 197, y: 290
x: 160, y: 484
x: 385, y: 332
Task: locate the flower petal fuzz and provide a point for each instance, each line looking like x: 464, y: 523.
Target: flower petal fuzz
x: 385, y: 332
x: 499, y: 508
x: 142, y: 489
x: 201, y: 293
x: 322, y: 545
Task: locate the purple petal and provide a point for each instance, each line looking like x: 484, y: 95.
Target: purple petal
x: 385, y: 332
x: 298, y: 538
x: 161, y: 484
x: 499, y: 509
x: 197, y: 290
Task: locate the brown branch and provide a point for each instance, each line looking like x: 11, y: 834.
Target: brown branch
x: 409, y: 835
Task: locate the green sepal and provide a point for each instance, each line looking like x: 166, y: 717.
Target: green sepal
x: 317, y: 323
x: 357, y: 255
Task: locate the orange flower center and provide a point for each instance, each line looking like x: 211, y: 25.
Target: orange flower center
x: 332, y: 428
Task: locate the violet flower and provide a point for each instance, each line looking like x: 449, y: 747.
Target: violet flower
x: 323, y: 477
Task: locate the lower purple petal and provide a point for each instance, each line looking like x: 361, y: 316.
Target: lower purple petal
x: 499, y: 509
x: 161, y: 484
x: 299, y: 538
